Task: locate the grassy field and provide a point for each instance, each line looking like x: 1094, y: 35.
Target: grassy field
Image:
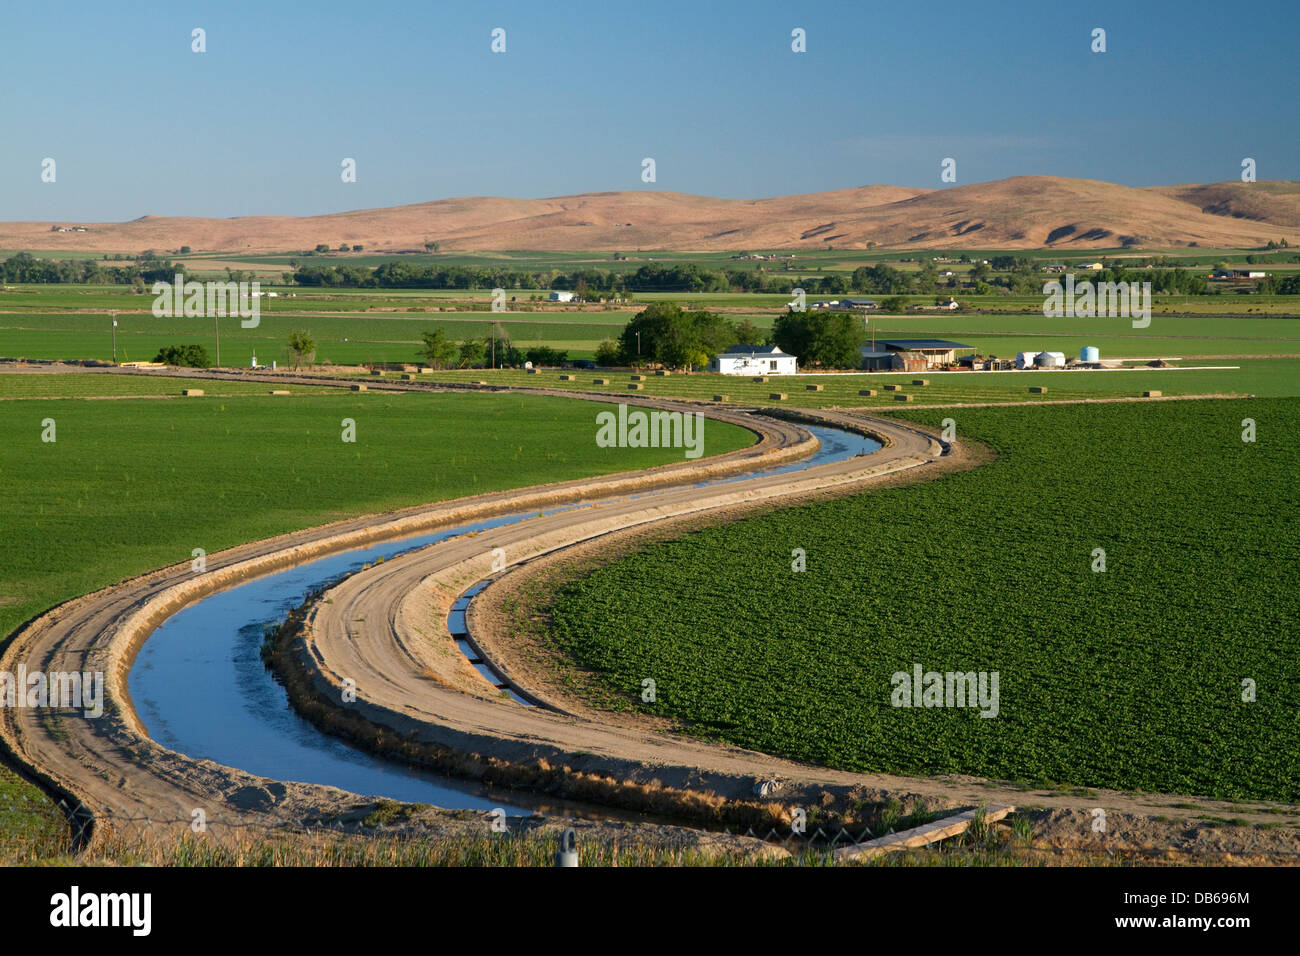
x: 1128, y: 679
x: 1264, y: 377
x: 14, y: 385
x: 389, y: 337
x: 131, y: 485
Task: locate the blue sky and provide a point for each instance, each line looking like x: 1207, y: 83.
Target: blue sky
x: 138, y: 124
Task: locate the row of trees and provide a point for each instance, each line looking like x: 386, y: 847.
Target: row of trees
x: 492, y: 351
x: 25, y: 267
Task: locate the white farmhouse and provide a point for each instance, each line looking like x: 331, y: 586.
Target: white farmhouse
x: 561, y: 296
x: 754, y: 360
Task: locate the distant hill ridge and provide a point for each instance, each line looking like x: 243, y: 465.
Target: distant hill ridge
x: 1023, y: 212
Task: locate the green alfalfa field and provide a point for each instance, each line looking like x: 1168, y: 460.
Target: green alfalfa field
x: 1175, y: 669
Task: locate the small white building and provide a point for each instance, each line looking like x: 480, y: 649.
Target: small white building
x: 754, y: 360
x: 561, y: 296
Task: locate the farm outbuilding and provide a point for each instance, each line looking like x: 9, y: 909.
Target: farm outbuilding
x: 561, y: 297
x: 881, y: 361
x: 754, y: 360
x: 935, y: 352
x: 848, y: 305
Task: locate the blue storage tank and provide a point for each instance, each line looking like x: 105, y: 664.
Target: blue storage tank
x: 1089, y: 353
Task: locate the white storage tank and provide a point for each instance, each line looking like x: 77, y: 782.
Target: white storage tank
x: 1090, y: 353
x: 1025, y: 359
x: 1049, y: 360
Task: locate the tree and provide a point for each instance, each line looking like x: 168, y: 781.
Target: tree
x: 430, y: 247
x: 895, y: 303
x: 927, y: 279
x: 323, y: 247
x: 881, y: 280
x: 302, y: 348
x: 472, y: 353
x: 671, y: 337
x: 820, y: 339
x: 608, y: 353
x: 747, y: 333
x: 357, y: 248
x: 343, y: 247
x: 545, y: 355
x: 185, y: 250
x: 439, y: 350
x: 187, y: 356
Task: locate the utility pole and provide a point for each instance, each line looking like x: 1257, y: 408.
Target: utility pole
x: 217, y: 328
x: 494, y: 346
x: 114, y: 338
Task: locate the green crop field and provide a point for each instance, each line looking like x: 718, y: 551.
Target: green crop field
x: 340, y: 340
x: 130, y: 485
x: 15, y: 385
x: 1131, y: 678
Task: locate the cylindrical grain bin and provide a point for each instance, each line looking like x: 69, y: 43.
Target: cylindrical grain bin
x: 1090, y: 353
x: 1049, y: 360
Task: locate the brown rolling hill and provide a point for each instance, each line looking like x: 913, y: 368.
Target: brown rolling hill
x: 1021, y: 212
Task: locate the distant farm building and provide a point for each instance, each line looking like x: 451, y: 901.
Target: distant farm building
x: 881, y: 361
x: 1238, y: 274
x: 561, y: 296
x: 933, y: 352
x: 848, y: 305
x: 754, y: 360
